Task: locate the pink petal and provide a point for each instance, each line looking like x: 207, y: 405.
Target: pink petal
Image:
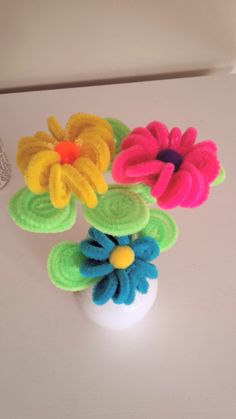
x: 145, y: 168
x: 141, y: 137
x: 198, y: 186
x: 205, y: 161
x: 163, y: 180
x: 178, y: 188
x: 207, y: 145
x: 124, y: 160
x: 188, y: 140
x: 174, y: 138
x: 160, y: 133
x: 204, y: 195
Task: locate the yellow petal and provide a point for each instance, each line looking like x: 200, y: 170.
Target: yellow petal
x: 55, y: 128
x: 105, y: 135
x: 27, y: 148
x: 91, y: 145
x: 60, y: 194
x: 79, y: 122
x: 37, y: 172
x: 45, y: 137
x: 79, y: 185
x: 93, y: 175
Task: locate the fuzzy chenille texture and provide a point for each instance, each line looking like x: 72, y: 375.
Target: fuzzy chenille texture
x: 178, y: 171
x: 68, y: 161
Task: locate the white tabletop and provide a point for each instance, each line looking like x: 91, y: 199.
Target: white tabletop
x: 179, y: 362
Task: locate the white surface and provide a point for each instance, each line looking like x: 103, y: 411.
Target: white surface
x: 179, y: 362
x: 45, y: 42
x: 117, y: 316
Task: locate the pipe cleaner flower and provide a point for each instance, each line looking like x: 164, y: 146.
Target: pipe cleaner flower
x: 121, y: 262
x: 69, y: 161
x: 178, y: 171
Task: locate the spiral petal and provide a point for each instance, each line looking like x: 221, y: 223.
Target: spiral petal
x: 146, y: 248
x: 123, y: 287
x: 205, y: 160
x: 143, y: 138
x: 59, y: 192
x: 92, y: 174
x: 163, y: 180
x: 55, y: 128
x: 160, y: 133
x: 188, y: 140
x: 79, y: 185
x: 177, y: 190
x: 105, y: 289
x: 197, y: 189
x: 38, y: 170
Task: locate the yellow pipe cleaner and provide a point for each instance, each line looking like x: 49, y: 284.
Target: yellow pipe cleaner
x: 68, y: 161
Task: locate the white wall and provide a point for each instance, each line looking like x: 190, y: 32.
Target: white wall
x: 45, y: 42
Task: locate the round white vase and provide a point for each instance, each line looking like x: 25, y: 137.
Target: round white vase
x: 117, y: 316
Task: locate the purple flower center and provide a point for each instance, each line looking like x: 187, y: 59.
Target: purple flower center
x: 170, y: 156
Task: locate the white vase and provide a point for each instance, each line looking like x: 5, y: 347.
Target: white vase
x: 117, y: 316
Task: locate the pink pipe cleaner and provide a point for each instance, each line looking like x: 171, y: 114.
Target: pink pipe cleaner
x: 178, y: 171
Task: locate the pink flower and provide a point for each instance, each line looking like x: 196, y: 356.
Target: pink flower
x: 178, y: 171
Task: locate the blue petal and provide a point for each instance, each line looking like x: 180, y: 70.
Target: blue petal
x: 94, y: 269
x: 146, y: 269
x: 133, y: 281
x: 146, y: 248
x: 105, y: 289
x: 101, y: 239
x: 123, y: 241
x: 122, y: 291
x: 143, y: 286
x: 92, y: 251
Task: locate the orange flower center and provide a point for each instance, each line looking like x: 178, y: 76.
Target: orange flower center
x: 68, y: 151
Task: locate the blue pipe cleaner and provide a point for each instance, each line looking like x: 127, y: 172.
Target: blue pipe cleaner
x: 119, y: 285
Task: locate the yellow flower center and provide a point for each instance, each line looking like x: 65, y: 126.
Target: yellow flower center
x: 122, y: 257
x: 68, y: 151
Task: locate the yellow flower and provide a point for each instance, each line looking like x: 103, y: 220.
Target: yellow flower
x: 69, y: 161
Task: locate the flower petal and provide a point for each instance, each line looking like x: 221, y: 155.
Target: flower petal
x: 143, y: 285
x: 197, y: 188
x: 143, y: 138
x: 205, y: 161
x: 145, y: 168
x: 94, y: 148
x: 123, y: 288
x: 160, y: 133
x: 81, y: 122
x: 93, y: 251
x: 28, y: 147
x: 146, y: 269
x: 174, y: 138
x: 188, y: 140
x: 146, y: 248
x: 105, y: 289
x: 59, y: 192
x: 91, y: 172
x: 92, y: 269
x: 101, y: 239
x: 38, y: 170
x: 207, y: 145
x: 133, y: 281
x: 124, y: 160
x: 79, y: 185
x: 178, y: 188
x: 55, y: 128
x: 163, y: 180
x: 204, y: 195
x: 123, y: 240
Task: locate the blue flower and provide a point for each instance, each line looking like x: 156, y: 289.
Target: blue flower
x: 121, y: 262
